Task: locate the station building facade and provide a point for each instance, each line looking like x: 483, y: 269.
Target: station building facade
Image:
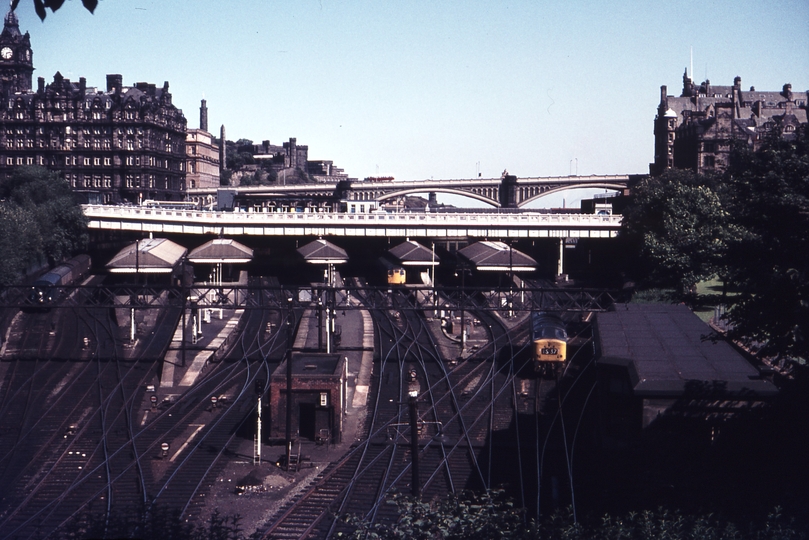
x: 696, y: 130
x: 113, y: 145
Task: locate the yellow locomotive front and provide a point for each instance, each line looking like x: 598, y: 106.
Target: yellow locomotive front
x: 549, y: 339
x: 550, y: 350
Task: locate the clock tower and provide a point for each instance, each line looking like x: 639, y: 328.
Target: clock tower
x: 16, y: 58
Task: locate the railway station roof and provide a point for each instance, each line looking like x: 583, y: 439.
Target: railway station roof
x: 411, y: 253
x: 221, y: 250
x: 148, y: 256
x: 323, y: 252
x: 489, y: 256
x: 664, y: 349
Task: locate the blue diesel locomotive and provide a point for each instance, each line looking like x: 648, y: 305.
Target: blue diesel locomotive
x: 46, y: 289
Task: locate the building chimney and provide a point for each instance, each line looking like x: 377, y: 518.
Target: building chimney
x: 40, y: 84
x: 203, y: 116
x: 82, y: 85
x: 222, y: 148
x: 114, y: 83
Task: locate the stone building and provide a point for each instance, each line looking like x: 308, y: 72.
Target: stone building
x: 695, y: 130
x: 202, y: 167
x: 118, y: 144
x: 291, y: 155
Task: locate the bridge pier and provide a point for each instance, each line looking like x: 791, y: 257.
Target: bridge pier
x: 508, y: 191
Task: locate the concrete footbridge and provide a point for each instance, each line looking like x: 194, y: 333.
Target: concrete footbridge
x: 438, y: 225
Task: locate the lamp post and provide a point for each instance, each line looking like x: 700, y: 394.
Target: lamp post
x: 288, y: 437
x: 415, y: 486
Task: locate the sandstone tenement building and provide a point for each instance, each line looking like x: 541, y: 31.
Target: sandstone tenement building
x: 202, y: 167
x: 118, y: 144
x: 695, y: 130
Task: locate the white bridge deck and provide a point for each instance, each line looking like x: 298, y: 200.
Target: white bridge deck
x: 406, y: 224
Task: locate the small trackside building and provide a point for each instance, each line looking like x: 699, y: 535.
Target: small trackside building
x: 319, y: 384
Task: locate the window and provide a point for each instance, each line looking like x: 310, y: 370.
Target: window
x: 9, y: 161
x: 29, y: 161
x: 324, y: 399
x: 96, y: 161
x: 107, y: 161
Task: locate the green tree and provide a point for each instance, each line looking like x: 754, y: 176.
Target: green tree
x: 492, y: 515
x: 53, y: 5
x: 750, y: 226
x: 678, y: 229
x: 41, y: 221
x: 471, y: 515
x: 767, y: 194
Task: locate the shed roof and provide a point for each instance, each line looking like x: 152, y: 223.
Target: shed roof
x: 221, y: 250
x: 489, y: 256
x: 148, y: 256
x: 664, y: 349
x: 322, y: 252
x: 411, y: 253
x: 311, y: 364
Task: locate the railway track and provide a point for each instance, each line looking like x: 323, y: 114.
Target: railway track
x: 459, y: 406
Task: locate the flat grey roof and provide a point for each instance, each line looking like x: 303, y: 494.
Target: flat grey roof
x: 310, y: 364
x: 664, y: 349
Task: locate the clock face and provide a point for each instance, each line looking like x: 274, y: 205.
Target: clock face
x: 6, y: 53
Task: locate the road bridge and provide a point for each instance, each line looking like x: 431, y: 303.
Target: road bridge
x: 506, y: 192
x: 437, y: 225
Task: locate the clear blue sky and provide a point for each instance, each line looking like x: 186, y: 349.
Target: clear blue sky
x: 422, y: 89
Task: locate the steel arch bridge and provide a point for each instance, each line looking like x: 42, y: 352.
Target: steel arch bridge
x: 506, y: 192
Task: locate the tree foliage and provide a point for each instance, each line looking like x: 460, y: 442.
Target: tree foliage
x: 471, y: 515
x: 39, y: 222
x: 492, y: 515
x: 749, y: 226
x: 53, y: 5
x: 767, y: 193
x: 679, y: 229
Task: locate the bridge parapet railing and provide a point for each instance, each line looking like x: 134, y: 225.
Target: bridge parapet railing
x: 505, y: 219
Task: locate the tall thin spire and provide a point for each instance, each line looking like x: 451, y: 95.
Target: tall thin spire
x: 12, y: 24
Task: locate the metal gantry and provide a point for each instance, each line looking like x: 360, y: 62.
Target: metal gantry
x: 281, y: 297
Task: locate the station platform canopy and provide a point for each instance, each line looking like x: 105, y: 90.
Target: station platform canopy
x: 411, y: 253
x: 489, y: 256
x: 147, y: 256
x: 322, y: 252
x: 663, y: 349
x: 221, y: 251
